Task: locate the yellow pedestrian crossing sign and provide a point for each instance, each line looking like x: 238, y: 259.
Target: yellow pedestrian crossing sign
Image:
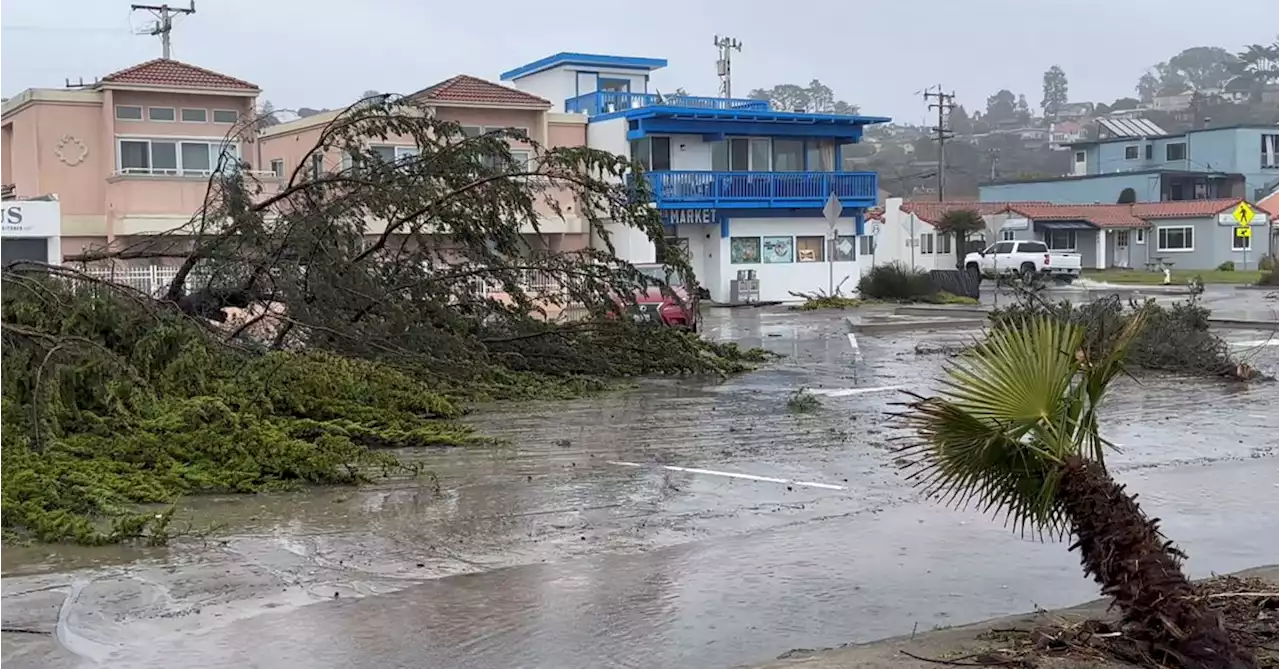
x: 1244, y: 233
x: 1243, y: 215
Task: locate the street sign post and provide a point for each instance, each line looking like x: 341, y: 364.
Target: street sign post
x: 1244, y: 229
x: 831, y: 211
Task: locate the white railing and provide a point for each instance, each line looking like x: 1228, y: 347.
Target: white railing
x: 188, y: 174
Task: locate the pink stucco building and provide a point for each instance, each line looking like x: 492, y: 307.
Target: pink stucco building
x: 478, y: 106
x: 129, y: 155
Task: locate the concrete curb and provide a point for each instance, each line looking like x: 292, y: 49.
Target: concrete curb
x: 913, y: 324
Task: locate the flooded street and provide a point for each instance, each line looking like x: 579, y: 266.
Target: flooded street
x: 679, y: 524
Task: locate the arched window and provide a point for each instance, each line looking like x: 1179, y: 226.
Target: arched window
x: 1127, y: 196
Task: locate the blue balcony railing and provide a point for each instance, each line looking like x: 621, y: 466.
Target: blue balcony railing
x: 605, y: 102
x: 679, y: 190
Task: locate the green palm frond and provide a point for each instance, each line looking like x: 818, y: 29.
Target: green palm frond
x: 1009, y: 413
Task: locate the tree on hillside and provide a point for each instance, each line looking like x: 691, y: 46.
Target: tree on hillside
x: 1256, y: 69
x: 815, y: 98
x: 1023, y: 110
x: 1016, y: 429
x: 960, y: 223
x: 1124, y: 104
x: 1003, y: 106
x: 1204, y: 67
x: 1055, y: 91
x: 959, y: 122
x: 1148, y: 86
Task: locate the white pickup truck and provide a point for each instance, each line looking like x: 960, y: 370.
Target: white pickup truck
x: 1025, y: 258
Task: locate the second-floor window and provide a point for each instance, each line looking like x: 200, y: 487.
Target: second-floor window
x: 128, y: 113
x: 654, y: 153
x: 225, y: 116
x: 170, y: 157
x: 167, y: 114
x: 277, y: 167
x: 195, y: 115
x: 1131, y: 152
x: 1270, y: 151
x: 1175, y: 151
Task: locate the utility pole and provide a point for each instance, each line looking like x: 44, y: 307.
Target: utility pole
x: 726, y: 46
x: 944, y: 105
x: 164, y: 20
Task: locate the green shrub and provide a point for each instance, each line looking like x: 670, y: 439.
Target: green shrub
x: 1267, y: 263
x: 1269, y: 278
x: 896, y: 282
x: 1228, y: 266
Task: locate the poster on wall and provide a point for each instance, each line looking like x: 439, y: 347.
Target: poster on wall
x: 846, y: 248
x: 777, y: 249
x: 744, y: 250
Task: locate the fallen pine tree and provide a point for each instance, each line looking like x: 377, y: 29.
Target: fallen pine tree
x: 353, y: 339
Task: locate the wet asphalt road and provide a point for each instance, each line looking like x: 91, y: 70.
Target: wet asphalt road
x: 544, y: 553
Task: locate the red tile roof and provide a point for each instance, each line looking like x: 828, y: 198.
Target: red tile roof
x: 932, y: 212
x: 176, y: 74
x: 1271, y: 204
x: 1101, y: 215
x: 465, y: 88
x: 1184, y: 208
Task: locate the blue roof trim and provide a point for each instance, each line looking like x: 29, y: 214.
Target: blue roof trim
x: 696, y: 114
x: 584, y: 60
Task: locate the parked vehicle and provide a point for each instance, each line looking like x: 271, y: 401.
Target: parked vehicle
x: 1028, y: 259
x: 654, y: 306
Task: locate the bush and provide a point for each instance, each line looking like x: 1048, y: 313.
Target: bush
x: 1228, y: 266
x: 1267, y: 263
x: 1175, y: 338
x: 1269, y: 278
x: 896, y: 282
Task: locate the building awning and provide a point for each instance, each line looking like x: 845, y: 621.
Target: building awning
x: 1064, y: 225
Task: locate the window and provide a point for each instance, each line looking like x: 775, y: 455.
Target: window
x: 926, y: 243
x: 1140, y: 236
x: 744, y: 250
x: 820, y: 154
x: 1032, y: 247
x: 495, y: 128
x: 1239, y: 243
x: 1270, y: 151
x: 225, y: 116
x: 1001, y: 247
x: 166, y: 114
x: 654, y: 153
x: 1079, y: 156
x: 170, y: 157
x: 317, y: 165
x: 779, y: 249
x: 277, y: 167
x: 846, y: 249
x: 866, y: 245
x: 1175, y: 192
x: 128, y: 113
x: 1122, y: 239
x: 788, y: 155
x: 944, y: 243
x: 739, y: 154
x: 1149, y: 151
x: 1059, y: 240
x: 1175, y: 151
x: 472, y: 131
x: 1181, y: 238
x: 1008, y: 235
x: 195, y: 115
x: 1131, y: 152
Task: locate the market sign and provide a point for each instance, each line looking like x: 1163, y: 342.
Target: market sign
x: 31, y: 218
x: 689, y: 217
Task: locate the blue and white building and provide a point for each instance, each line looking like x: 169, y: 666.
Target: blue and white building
x: 741, y: 185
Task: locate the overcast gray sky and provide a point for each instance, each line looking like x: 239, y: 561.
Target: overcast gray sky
x: 879, y: 55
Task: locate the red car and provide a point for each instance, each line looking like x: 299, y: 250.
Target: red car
x: 653, y: 306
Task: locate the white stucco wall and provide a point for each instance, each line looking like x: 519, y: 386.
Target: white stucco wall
x: 689, y: 152
x: 555, y: 85
x: 610, y: 135
x: 778, y: 280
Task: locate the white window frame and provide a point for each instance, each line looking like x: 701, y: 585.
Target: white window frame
x: 151, y: 110
x: 1072, y: 236
x: 866, y: 245
x: 1137, y: 151
x: 214, y: 116
x: 1009, y: 235
x: 142, y: 113
x: 215, y: 144
x: 926, y: 243
x: 1160, y: 248
x: 1080, y: 157
x: 1170, y: 145
x: 944, y: 244
x: 184, y: 110
x: 277, y: 166
x: 1248, y: 241
x: 1141, y: 236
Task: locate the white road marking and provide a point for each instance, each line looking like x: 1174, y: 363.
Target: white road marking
x: 845, y: 392
x: 733, y: 475
x: 1257, y: 342
x: 853, y: 341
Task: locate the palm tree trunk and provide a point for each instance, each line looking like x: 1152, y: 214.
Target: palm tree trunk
x: 1125, y: 553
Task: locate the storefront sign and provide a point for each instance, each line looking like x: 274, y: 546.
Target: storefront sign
x: 689, y: 217
x: 30, y: 218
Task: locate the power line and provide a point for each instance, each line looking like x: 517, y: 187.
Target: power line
x: 944, y: 105
x: 164, y: 21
